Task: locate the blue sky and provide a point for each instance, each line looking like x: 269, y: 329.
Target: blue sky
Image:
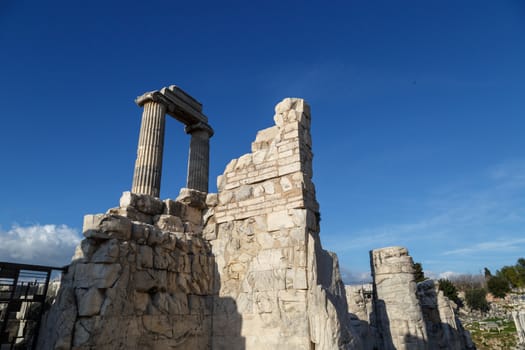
x: 418, y: 115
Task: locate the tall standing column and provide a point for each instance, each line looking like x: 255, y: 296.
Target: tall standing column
x: 397, y: 312
x: 199, y: 156
x: 148, y: 166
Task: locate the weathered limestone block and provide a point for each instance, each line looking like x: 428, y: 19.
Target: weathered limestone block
x: 169, y: 223
x: 150, y: 280
x: 132, y: 214
x: 146, y: 204
x: 84, y: 250
x: 144, y: 257
x: 107, y: 252
x: 183, y: 211
x: 89, y: 301
x: 96, y: 275
x: 193, y: 198
x: 140, y: 232
x: 106, y: 226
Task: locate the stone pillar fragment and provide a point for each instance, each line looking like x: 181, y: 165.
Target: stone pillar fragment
x: 148, y: 166
x: 519, y: 321
x: 199, y: 156
x: 397, y: 313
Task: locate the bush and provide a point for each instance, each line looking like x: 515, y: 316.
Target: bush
x: 419, y: 275
x: 476, y: 299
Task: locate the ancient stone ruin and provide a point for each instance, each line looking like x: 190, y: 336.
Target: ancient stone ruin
x: 519, y: 320
x: 239, y: 269
x: 396, y: 313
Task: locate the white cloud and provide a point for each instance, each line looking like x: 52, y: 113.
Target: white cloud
x: 463, y: 226
x: 354, y: 277
x: 38, y: 244
x: 502, y: 246
x: 449, y: 274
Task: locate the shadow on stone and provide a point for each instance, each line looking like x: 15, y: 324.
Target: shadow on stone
x: 379, y: 320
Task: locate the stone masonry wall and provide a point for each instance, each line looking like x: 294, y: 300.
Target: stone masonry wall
x: 141, y: 279
x: 264, y: 236
x: 241, y: 269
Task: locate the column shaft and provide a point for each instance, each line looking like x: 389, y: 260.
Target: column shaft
x: 199, y: 158
x: 148, y: 166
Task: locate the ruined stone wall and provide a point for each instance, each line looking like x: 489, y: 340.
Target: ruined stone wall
x: 264, y: 236
x: 360, y: 307
x: 241, y: 269
x: 141, y: 279
x: 444, y: 329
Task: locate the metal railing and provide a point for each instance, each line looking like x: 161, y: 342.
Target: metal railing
x: 23, y: 296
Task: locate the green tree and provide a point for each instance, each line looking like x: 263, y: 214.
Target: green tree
x: 487, y: 273
x: 476, y: 299
x: 449, y: 290
x: 511, y: 275
x: 418, y: 272
x: 498, y: 286
x: 520, y: 269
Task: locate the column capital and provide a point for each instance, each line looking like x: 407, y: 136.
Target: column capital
x: 152, y: 96
x: 189, y: 129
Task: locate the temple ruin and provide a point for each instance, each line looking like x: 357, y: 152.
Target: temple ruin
x: 239, y: 269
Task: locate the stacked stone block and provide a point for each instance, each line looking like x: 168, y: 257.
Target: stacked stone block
x: 264, y: 232
x: 142, y: 278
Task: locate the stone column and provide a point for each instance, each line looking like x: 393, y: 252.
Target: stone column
x: 148, y: 166
x: 397, y: 312
x: 199, y: 156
